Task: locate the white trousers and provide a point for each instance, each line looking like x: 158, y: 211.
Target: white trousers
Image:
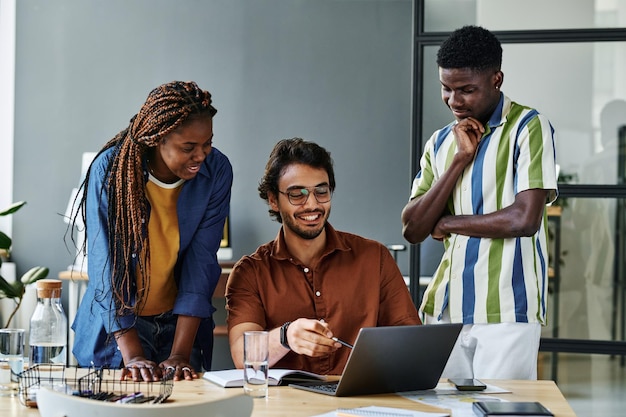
x: 493, y: 351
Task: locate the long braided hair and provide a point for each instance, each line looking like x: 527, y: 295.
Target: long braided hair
x: 166, y: 108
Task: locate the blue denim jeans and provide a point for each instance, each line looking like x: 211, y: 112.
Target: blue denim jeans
x: 157, y: 336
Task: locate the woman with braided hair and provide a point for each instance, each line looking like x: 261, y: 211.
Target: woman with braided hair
x: 155, y: 201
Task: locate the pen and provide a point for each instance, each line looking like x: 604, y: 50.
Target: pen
x: 130, y: 398
x: 346, y: 344
x: 338, y: 340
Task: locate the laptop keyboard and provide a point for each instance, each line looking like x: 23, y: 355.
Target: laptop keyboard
x: 326, y: 387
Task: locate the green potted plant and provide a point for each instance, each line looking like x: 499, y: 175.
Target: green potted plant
x: 16, y: 290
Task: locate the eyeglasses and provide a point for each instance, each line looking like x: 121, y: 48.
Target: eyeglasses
x: 299, y: 196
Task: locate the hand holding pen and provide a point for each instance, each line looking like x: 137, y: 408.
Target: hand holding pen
x: 336, y: 339
x: 312, y: 337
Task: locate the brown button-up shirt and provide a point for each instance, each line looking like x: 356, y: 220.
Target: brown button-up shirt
x: 355, y: 284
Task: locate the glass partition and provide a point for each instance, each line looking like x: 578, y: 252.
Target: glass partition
x: 587, y: 291
x: 524, y: 15
x: 579, y: 86
x: 567, y: 60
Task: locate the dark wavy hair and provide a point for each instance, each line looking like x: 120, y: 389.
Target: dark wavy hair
x: 471, y: 47
x: 293, y: 151
x: 167, y: 108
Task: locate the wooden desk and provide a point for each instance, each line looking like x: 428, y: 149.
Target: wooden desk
x: 290, y: 402
x: 220, y: 292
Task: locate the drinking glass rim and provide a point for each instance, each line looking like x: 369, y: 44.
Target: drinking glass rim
x: 12, y: 330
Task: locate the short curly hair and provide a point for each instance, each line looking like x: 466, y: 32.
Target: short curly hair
x: 471, y: 47
x: 293, y: 151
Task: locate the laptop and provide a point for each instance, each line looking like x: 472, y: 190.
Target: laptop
x: 392, y: 359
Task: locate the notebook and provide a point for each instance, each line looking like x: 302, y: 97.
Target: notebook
x: 392, y: 359
x: 229, y: 378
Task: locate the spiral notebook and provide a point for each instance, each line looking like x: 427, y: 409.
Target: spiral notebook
x: 392, y: 359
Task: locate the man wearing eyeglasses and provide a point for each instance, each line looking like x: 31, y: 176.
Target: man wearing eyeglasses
x: 312, y: 284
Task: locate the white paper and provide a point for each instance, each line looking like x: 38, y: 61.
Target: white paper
x: 375, y: 411
x: 445, y: 395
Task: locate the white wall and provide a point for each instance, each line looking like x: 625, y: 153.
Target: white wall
x: 7, y: 89
x: 332, y: 71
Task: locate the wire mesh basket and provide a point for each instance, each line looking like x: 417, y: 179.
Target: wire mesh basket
x: 98, y: 384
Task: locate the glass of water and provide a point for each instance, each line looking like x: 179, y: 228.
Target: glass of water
x: 255, y: 366
x: 11, y: 360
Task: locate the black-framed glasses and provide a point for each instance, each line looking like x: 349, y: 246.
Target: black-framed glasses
x: 298, y: 196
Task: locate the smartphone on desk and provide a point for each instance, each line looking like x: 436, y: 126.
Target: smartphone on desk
x: 468, y: 384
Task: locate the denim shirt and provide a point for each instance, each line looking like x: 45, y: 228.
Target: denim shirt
x: 202, y: 207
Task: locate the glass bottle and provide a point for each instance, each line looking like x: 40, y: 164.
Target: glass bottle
x: 48, y: 325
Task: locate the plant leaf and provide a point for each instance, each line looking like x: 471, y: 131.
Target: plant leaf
x: 12, y: 208
x: 3, y: 286
x: 34, y: 274
x: 10, y: 290
x: 5, y: 241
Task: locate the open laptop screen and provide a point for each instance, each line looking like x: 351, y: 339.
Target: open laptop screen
x: 393, y: 359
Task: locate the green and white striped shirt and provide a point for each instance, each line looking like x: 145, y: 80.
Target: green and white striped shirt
x: 493, y: 280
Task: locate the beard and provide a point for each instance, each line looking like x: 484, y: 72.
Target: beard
x: 306, y: 232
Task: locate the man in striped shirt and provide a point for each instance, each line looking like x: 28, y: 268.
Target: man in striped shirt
x: 482, y: 189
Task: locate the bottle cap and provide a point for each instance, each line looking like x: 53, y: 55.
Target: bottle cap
x: 49, y: 288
